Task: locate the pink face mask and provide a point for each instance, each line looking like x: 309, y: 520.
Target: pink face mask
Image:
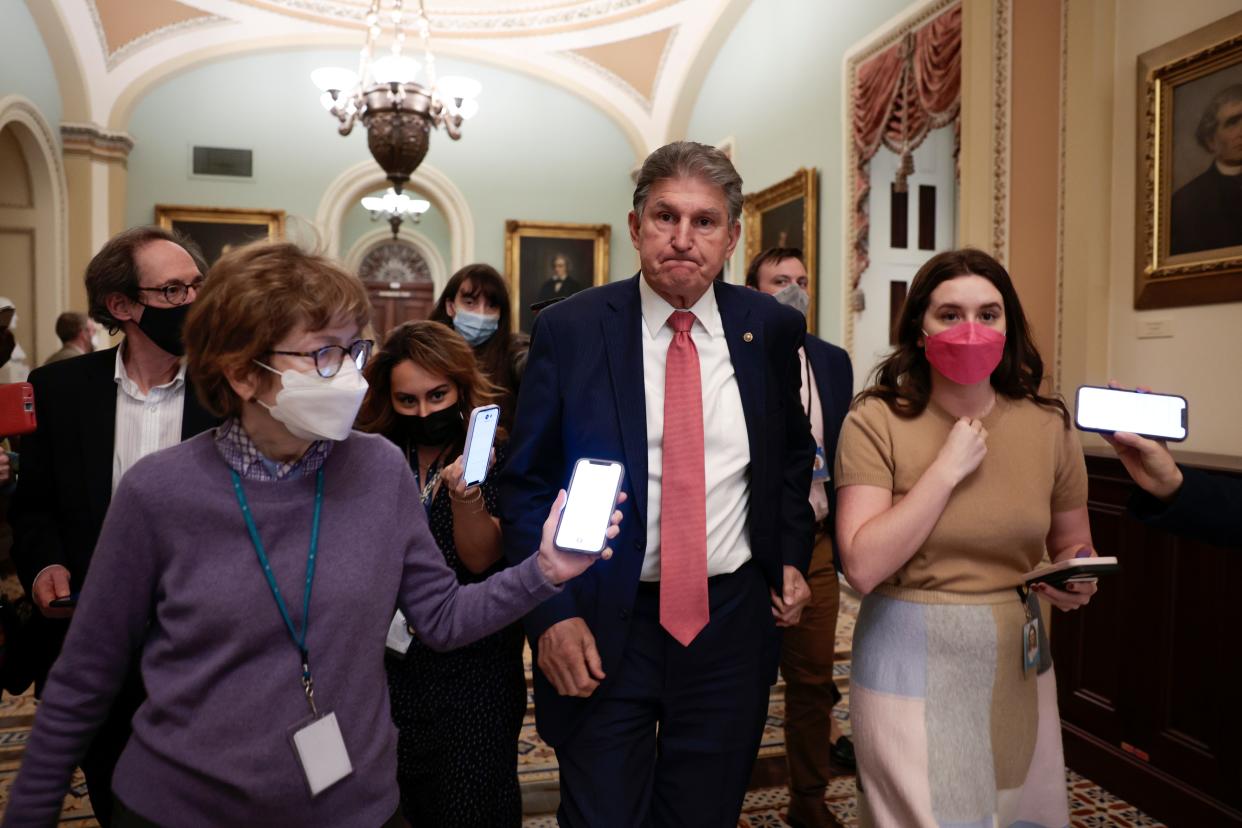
x: 967, y: 353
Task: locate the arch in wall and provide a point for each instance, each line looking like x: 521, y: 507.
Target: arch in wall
x: 366, y: 177
x: 435, y: 262
x: 48, y: 219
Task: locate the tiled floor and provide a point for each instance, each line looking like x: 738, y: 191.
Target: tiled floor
x: 1090, y: 805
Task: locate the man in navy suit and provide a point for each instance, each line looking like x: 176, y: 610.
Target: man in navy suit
x: 654, y: 668
x: 813, y: 740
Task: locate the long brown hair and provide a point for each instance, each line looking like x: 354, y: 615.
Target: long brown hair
x: 436, y: 349
x: 495, y: 355
x: 903, y: 378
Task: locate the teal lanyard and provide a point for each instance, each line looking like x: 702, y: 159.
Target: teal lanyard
x: 299, y: 638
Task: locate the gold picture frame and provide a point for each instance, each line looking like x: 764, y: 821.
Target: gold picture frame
x: 217, y: 229
x: 532, y: 249
x: 1185, y: 252
x: 787, y: 215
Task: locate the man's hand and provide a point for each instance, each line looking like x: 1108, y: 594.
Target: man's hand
x: 567, y: 656
x: 50, y: 584
x: 787, y: 607
x: 1148, y: 462
x: 6, y: 468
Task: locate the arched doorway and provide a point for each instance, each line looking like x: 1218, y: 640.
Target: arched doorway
x: 32, y: 226
x: 398, y: 280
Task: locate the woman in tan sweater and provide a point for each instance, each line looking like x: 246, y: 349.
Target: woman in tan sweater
x: 955, y: 476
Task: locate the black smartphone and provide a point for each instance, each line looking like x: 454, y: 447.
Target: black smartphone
x: 64, y: 603
x: 587, y: 514
x: 1106, y: 410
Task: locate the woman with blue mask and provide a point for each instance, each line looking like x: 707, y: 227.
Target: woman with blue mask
x: 458, y: 713
x: 253, y: 571
x: 475, y: 302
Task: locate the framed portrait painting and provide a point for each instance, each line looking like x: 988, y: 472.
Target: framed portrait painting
x: 1189, y: 211
x: 545, y: 261
x: 216, y: 230
x: 786, y: 215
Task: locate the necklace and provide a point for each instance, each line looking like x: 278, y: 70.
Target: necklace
x: 428, y: 489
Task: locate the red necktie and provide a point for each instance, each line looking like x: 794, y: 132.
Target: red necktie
x: 683, y: 490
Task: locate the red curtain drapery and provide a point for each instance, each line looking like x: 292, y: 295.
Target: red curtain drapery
x: 900, y: 95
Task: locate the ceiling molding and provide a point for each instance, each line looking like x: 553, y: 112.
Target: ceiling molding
x: 634, y: 64
x: 165, y: 18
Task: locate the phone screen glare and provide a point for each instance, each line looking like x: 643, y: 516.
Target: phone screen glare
x: 1107, y: 409
x: 585, y: 519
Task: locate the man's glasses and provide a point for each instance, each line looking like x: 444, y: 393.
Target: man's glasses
x: 176, y: 293
x: 328, y: 359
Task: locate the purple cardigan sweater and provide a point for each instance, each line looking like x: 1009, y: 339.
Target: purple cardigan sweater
x: 176, y: 577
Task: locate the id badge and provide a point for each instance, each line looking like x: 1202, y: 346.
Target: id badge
x: 321, y: 751
x: 399, y: 637
x: 819, y: 471
x: 1030, y: 646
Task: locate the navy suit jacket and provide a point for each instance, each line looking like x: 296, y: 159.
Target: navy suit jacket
x: 582, y: 396
x: 834, y: 379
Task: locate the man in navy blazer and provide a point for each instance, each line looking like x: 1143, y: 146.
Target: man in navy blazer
x: 649, y: 728
x: 813, y: 739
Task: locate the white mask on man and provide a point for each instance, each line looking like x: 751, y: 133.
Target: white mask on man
x: 314, y: 408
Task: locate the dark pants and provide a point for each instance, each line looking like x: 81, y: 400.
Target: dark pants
x: 105, y: 749
x: 674, y: 733
x: 807, y: 652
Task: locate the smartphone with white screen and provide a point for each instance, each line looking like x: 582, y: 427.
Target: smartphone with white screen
x: 593, y: 492
x: 1105, y: 410
x: 480, y: 435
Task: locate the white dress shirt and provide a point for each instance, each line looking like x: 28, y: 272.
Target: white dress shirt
x: 815, y: 411
x: 726, y: 451
x: 145, y: 423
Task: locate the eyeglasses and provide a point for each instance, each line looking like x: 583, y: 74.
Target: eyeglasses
x: 328, y: 359
x: 176, y: 292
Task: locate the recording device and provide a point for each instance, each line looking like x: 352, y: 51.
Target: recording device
x: 584, y: 521
x: 1071, y: 570
x: 1105, y: 410
x: 6, y: 315
x: 17, y: 409
x: 64, y: 603
x: 480, y: 435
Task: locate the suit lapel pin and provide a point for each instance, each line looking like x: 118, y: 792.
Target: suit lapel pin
x: 748, y: 337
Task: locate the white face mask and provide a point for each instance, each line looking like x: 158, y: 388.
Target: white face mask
x: 314, y: 408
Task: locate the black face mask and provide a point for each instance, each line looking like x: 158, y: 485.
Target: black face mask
x: 163, y: 327
x: 439, y: 428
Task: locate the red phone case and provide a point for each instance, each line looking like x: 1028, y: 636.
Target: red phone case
x: 17, y: 409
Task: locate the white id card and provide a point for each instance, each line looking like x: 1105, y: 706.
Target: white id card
x: 320, y: 748
x: 399, y: 637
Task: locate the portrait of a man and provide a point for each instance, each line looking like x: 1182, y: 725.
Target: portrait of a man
x: 1206, y: 211
x: 559, y: 283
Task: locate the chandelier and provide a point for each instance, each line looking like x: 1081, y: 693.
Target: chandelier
x: 398, y: 106
x: 394, y: 207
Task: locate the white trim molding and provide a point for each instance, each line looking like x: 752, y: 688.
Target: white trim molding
x: 47, y: 177
x: 366, y: 177
x: 425, y: 247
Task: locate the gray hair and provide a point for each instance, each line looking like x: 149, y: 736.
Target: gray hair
x: 690, y: 159
x: 1206, y: 131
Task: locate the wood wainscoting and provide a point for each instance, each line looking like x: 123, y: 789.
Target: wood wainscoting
x: 1150, y: 673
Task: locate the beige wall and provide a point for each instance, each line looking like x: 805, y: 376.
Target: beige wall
x: 1202, y: 359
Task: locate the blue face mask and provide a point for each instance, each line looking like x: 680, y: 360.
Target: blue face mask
x: 476, y: 328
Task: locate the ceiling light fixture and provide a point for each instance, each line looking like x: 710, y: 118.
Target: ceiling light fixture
x: 398, y: 106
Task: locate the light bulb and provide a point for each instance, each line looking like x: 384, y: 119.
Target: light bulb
x: 458, y: 87
x: 395, y: 69
x: 330, y: 78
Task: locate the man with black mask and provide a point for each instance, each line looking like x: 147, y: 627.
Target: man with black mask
x: 98, y: 415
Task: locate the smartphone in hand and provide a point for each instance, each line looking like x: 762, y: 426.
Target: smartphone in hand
x: 1106, y: 410
x: 480, y: 437
x: 584, y: 521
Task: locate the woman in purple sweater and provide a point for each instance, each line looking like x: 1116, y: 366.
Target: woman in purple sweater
x: 256, y: 570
